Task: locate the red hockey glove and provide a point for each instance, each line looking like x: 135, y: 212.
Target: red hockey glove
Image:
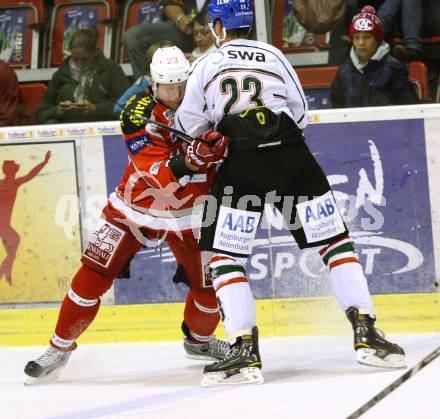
x: 200, y: 154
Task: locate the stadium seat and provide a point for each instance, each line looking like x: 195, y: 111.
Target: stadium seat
x: 316, y: 77
x: 69, y: 16
x: 32, y: 95
x: 135, y: 13
x: 319, y: 78
x: 316, y: 82
x: 20, y: 27
x: 418, y: 74
x: 425, y: 40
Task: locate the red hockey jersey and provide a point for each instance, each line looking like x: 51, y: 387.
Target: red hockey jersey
x: 149, y: 193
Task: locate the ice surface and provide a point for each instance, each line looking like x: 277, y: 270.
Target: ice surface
x: 305, y: 378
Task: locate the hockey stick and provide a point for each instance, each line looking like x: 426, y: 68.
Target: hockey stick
x: 396, y: 383
x: 183, y: 135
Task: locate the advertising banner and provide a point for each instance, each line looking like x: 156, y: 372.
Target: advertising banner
x: 150, y: 12
x: 38, y: 255
x: 78, y: 18
x: 318, y: 99
x: 13, y: 35
x: 378, y: 171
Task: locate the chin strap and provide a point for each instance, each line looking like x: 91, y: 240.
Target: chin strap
x: 218, y: 40
x: 154, y: 90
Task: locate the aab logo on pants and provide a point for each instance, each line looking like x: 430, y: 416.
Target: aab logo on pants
x: 103, y: 243
x: 320, y: 211
x: 242, y: 223
x: 236, y: 230
x: 320, y: 218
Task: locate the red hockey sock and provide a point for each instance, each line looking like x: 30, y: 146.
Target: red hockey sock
x: 200, y: 319
x: 79, y: 307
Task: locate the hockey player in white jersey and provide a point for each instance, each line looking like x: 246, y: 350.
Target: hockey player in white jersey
x: 248, y: 91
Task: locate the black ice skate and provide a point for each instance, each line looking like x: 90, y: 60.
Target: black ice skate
x: 241, y: 366
x: 46, y: 368
x: 213, y: 350
x: 370, y: 344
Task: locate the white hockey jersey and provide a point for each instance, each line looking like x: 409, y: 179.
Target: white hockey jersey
x: 240, y: 75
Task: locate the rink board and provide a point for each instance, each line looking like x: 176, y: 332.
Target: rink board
x: 43, y: 274
x: 380, y: 165
x: 374, y: 156
x: 404, y: 313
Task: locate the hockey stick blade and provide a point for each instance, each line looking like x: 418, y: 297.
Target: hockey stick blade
x: 396, y: 383
x: 183, y: 135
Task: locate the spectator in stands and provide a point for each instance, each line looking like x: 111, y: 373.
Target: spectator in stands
x: 410, y: 13
x: 9, y: 96
x: 431, y: 18
x: 431, y: 51
x: 86, y: 85
x: 177, y: 29
x: 143, y: 82
x: 389, y: 11
x: 202, y: 37
x: 371, y: 76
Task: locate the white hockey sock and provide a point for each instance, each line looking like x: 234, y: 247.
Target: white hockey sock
x: 347, y: 277
x: 351, y: 288
x: 234, y: 295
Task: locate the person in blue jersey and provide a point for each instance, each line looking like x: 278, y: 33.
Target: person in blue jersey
x: 248, y: 91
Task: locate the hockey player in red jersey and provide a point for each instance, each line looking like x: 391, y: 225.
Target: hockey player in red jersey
x: 157, y: 199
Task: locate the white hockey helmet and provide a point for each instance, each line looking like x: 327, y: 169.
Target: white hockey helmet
x: 169, y: 65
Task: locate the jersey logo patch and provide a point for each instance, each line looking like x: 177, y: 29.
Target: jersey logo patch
x: 154, y: 169
x: 103, y: 243
x: 136, y: 144
x: 217, y: 57
x: 247, y: 55
x: 169, y: 115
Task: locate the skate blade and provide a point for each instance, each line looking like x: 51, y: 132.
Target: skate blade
x: 202, y: 357
x: 249, y: 375
x: 367, y: 356
x: 46, y: 379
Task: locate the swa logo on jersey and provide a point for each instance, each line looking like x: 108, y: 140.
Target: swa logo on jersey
x: 243, y: 224
x: 320, y: 210
x: 247, y: 55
